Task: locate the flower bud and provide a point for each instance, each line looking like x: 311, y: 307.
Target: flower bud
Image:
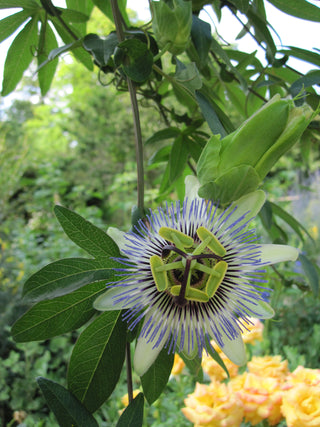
x: 171, y: 23
x: 237, y: 164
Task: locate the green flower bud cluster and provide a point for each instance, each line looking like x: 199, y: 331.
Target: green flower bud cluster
x: 171, y: 23
x: 236, y: 165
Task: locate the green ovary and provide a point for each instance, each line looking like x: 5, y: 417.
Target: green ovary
x: 187, y: 270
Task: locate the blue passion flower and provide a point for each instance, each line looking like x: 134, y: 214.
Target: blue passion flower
x: 193, y: 273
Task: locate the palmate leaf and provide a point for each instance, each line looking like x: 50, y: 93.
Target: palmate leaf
x: 11, y: 23
x: 155, y: 379
x: 86, y: 235
x: 25, y: 4
x: 67, y: 409
x: 132, y: 416
x: 97, y: 360
x: 19, y: 56
x: 65, y: 276
x: 83, y: 6
x: 50, y: 318
x: 178, y: 158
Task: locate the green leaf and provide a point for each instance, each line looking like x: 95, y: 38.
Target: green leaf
x: 135, y: 59
x: 11, y: 23
x: 50, y: 318
x: 155, y: 379
x: 178, y: 158
x: 290, y: 220
x: 97, y: 360
x: 215, y: 356
x: 261, y: 31
x: 207, y: 166
x: 231, y: 185
x: 187, y: 76
x: 168, y: 133
x: 201, y: 37
x: 83, y: 6
x: 73, y: 15
x: 132, y: 416
x: 86, y: 235
x: 242, y: 5
x: 105, y: 7
x: 305, y: 55
x: 67, y: 409
x: 298, y: 8
x: 25, y: 4
x: 66, y: 275
x: 101, y: 48
x: 47, y: 43
x: 311, y: 274
x: 194, y: 367
x: 310, y: 79
x: 19, y: 56
x: 80, y: 53
x: 210, y: 115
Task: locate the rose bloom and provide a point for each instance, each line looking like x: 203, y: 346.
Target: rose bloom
x: 215, y: 371
x: 301, y: 406
x: 178, y: 365
x: 261, y: 397
x: 253, y: 331
x: 303, y: 375
x: 269, y: 366
x: 213, y: 406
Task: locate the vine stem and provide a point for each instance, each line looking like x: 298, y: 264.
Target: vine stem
x: 135, y: 110
x: 139, y: 158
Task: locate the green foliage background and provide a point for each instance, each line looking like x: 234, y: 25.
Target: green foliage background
x: 75, y: 147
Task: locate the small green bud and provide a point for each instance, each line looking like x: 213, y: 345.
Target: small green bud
x: 171, y: 23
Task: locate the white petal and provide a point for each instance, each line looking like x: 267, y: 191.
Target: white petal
x: 145, y: 353
x: 234, y: 349
x: 192, y: 186
x: 259, y: 309
x: 118, y: 236
x: 106, y: 301
x: 251, y: 203
x: 270, y: 254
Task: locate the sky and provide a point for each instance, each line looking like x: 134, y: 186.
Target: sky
x: 292, y: 31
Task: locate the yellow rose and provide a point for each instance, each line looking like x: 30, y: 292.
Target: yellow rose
x: 178, y: 365
x: 214, y: 370
x: 261, y: 397
x: 301, y: 406
x: 303, y: 375
x: 253, y: 331
x: 269, y: 366
x: 213, y: 406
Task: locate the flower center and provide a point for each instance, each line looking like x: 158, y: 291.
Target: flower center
x: 187, y: 270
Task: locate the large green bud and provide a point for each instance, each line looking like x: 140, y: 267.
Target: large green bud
x: 171, y: 23
x: 229, y: 168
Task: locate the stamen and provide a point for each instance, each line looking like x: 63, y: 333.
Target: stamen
x: 160, y: 277
x: 213, y: 244
x: 180, y: 239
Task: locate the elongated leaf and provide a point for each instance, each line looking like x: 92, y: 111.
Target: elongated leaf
x: 194, y: 367
x: 67, y: 275
x: 47, y: 43
x: 201, y: 37
x: 73, y: 15
x: 83, y: 6
x: 105, y: 7
x: 25, y: 4
x: 19, y: 56
x: 155, y: 379
x: 132, y: 416
x: 50, y: 318
x: 97, y: 360
x: 290, y: 220
x: 262, y: 31
x: 299, y: 8
x: 178, y: 158
x: 86, y: 235
x: 168, y: 133
x: 311, y: 274
x: 11, y: 23
x: 67, y: 409
x: 210, y: 115
x: 305, y: 55
x: 310, y: 79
